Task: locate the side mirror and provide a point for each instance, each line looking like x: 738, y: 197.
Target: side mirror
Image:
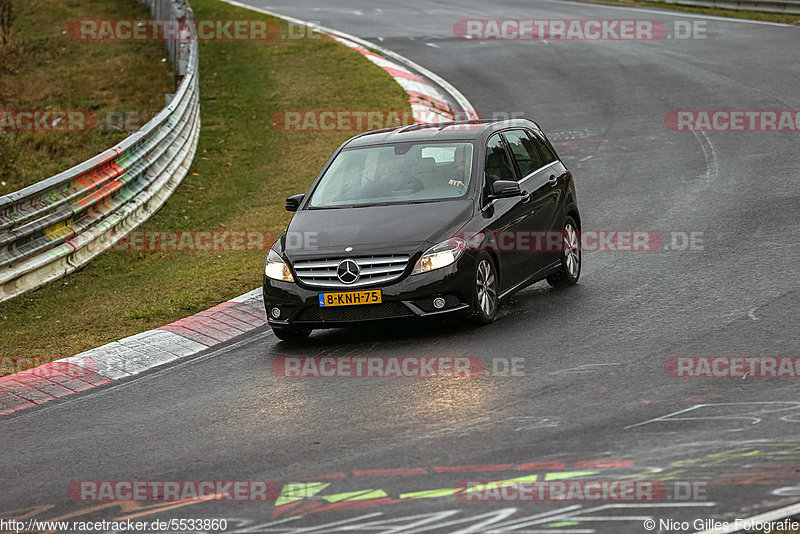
x: 293, y: 202
x: 505, y: 189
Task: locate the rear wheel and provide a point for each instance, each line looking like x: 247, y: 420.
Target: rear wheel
x: 570, y: 257
x: 484, y: 292
x: 291, y: 333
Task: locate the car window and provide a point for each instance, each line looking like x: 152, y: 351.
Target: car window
x: 498, y: 165
x: 395, y: 173
x: 526, y: 154
x: 545, y: 152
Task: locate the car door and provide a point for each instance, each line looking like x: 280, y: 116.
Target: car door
x: 538, y: 220
x: 504, y: 217
x: 551, y: 180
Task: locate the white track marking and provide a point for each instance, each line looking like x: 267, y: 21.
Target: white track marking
x: 790, y: 405
x: 710, y: 155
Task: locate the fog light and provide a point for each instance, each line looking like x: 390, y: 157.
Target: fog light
x: 438, y: 303
x: 276, y: 312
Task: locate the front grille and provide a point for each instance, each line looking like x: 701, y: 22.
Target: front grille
x: 374, y: 270
x: 385, y: 310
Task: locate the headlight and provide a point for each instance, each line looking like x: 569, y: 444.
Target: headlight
x: 276, y: 268
x: 441, y: 255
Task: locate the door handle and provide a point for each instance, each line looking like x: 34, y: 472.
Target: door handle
x: 553, y: 179
x: 526, y: 196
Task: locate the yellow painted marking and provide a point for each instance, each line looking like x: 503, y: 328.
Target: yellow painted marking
x: 569, y: 474
x: 356, y: 496
x: 60, y: 229
x: 444, y: 492
x: 298, y: 492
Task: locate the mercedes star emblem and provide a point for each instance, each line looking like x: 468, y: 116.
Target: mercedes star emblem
x: 347, y: 271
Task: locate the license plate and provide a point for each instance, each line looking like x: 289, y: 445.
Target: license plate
x: 351, y: 298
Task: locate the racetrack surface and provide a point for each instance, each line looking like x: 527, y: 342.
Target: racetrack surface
x: 593, y: 381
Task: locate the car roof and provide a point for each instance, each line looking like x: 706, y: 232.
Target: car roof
x: 443, y: 131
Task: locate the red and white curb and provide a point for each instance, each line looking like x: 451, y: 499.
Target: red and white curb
x: 428, y: 104
x: 185, y: 337
x: 132, y: 355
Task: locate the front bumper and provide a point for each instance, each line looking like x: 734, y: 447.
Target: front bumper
x: 410, y: 296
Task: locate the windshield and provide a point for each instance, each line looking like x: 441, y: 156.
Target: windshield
x: 405, y: 172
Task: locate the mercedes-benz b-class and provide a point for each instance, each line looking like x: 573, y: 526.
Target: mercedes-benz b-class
x: 424, y: 220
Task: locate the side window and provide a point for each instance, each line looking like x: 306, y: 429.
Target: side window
x: 524, y: 151
x: 545, y: 152
x: 498, y: 165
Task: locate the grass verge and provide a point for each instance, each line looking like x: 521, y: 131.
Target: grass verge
x: 714, y: 11
x: 42, y: 68
x: 242, y: 173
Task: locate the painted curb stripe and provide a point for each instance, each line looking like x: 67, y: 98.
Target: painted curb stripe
x: 131, y: 355
x: 473, y: 468
x: 391, y: 472
x: 45, y: 383
x: 421, y: 94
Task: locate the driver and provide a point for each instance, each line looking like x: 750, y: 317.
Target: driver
x: 460, y: 176
x: 389, y: 177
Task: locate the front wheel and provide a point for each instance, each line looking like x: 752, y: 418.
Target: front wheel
x: 570, y: 257
x: 484, y: 291
x: 291, y: 333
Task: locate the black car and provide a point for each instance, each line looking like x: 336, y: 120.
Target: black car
x: 424, y: 220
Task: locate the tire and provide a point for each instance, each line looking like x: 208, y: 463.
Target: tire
x: 484, y: 291
x: 570, y: 257
x: 291, y: 333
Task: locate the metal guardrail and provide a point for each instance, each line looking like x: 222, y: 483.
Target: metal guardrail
x: 51, y: 228
x: 789, y: 7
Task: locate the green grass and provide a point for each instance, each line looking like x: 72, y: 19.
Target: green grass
x: 43, y: 68
x: 240, y: 177
x: 731, y: 13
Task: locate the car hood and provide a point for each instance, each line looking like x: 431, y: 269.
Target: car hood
x: 398, y: 228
